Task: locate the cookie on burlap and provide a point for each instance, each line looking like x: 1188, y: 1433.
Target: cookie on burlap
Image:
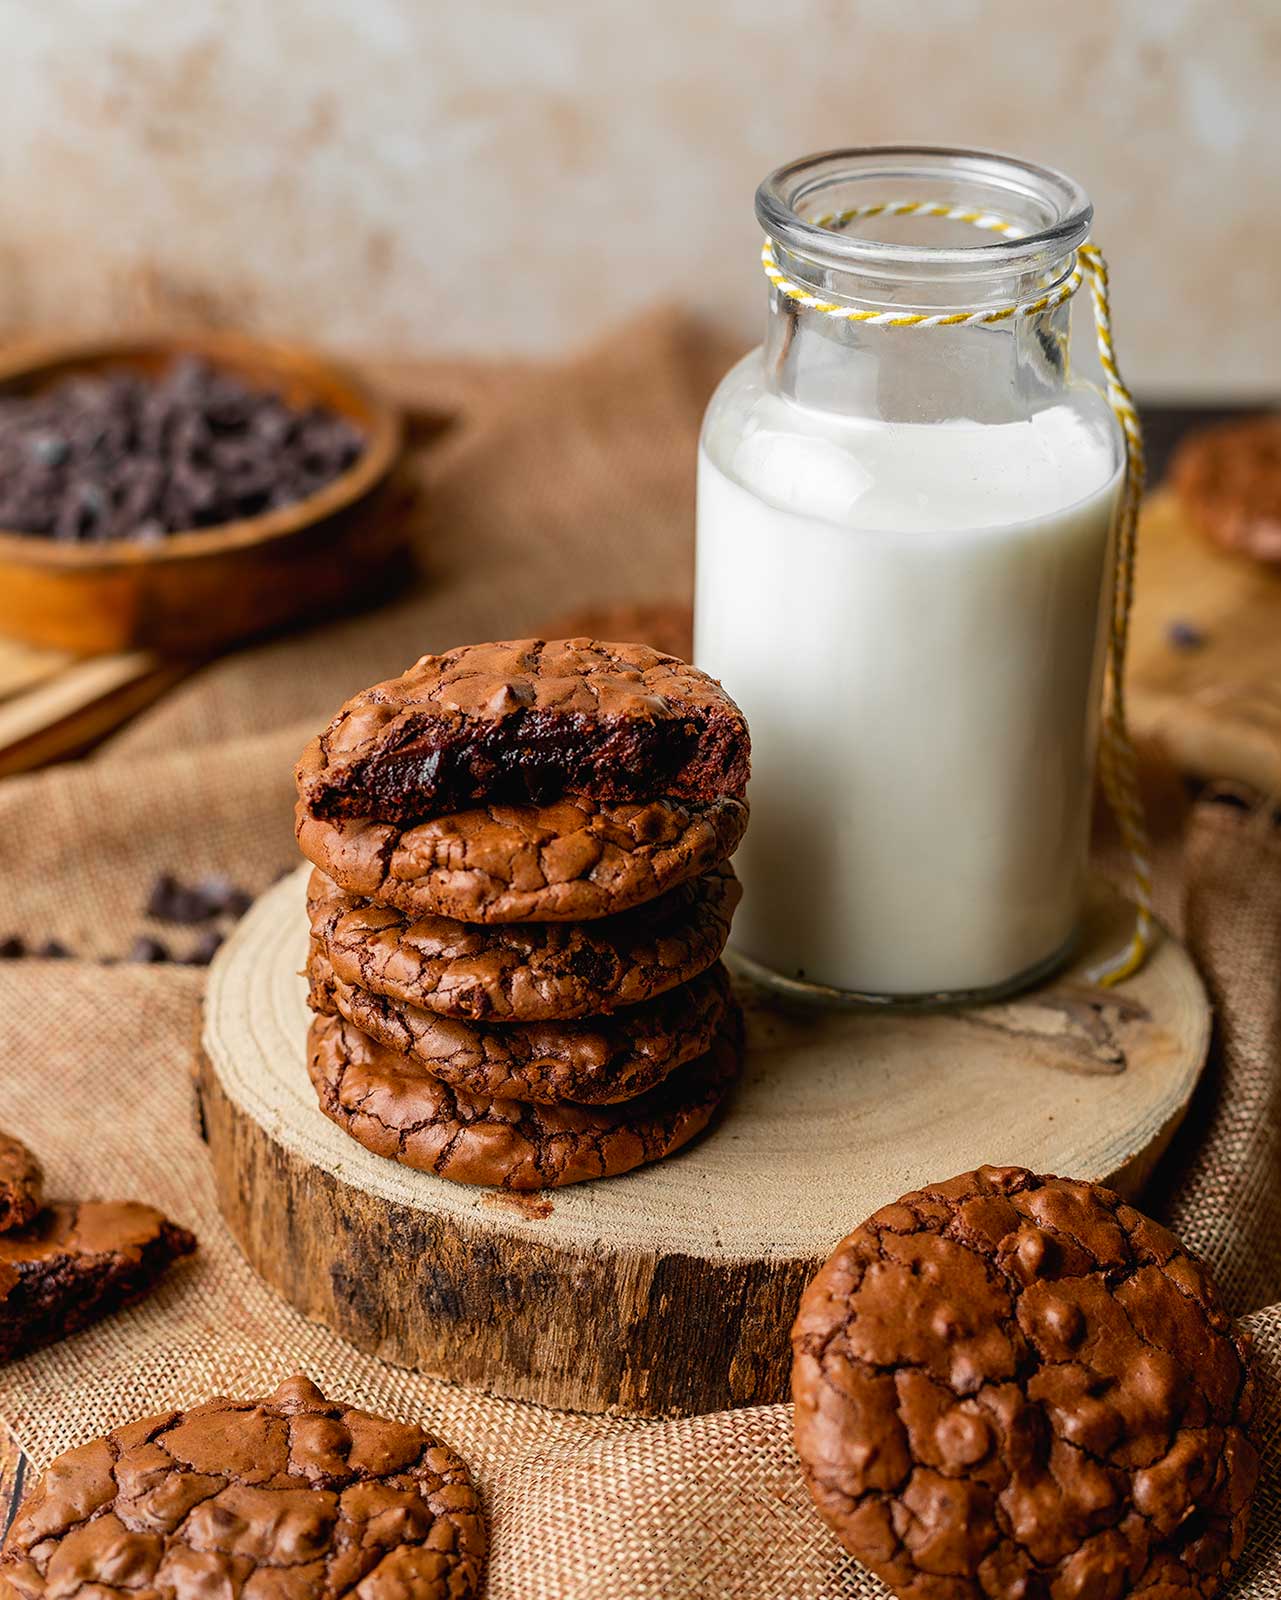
x: 525, y: 971
x: 1010, y: 1386
x: 21, y: 1183
x: 1228, y: 480
x: 390, y: 1104
x: 290, y: 1498
x: 524, y: 722
x: 573, y: 861
x: 590, y: 1060
x: 75, y: 1263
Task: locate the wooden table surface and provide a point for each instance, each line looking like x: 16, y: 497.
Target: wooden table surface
x: 1163, y: 424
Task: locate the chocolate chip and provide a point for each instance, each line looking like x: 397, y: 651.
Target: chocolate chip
x: 222, y: 896
x: 1183, y: 635
x: 52, y: 950
x: 121, y: 456
x: 172, y: 901
x: 204, y: 950
x: 12, y: 948
x: 48, y: 449
x: 146, y: 949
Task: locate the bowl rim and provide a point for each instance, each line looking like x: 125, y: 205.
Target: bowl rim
x: 385, y: 434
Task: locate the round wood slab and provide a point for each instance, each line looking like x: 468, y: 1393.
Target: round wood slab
x: 673, y: 1289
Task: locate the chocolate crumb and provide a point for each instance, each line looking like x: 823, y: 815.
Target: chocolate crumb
x: 1183, y: 635
x: 146, y: 949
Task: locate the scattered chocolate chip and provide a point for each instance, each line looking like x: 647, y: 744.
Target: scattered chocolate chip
x: 222, y: 896
x: 1183, y: 635
x: 172, y: 901
x: 12, y: 948
x: 204, y: 950
x: 52, y: 950
x: 112, y: 456
x: 147, y: 949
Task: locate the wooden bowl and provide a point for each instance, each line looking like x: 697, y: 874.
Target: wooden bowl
x: 192, y: 593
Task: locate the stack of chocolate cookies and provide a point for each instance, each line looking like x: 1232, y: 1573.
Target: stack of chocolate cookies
x: 522, y: 893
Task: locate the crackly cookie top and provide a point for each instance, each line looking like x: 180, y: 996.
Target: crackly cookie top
x: 392, y: 1105
x: 571, y: 861
x: 21, y: 1183
x: 525, y: 722
x: 290, y: 1498
x: 1011, y: 1387
x: 1229, y: 480
x: 593, y: 1060
x: 525, y: 971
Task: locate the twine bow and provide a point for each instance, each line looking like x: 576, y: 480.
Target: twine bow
x: 1116, y: 750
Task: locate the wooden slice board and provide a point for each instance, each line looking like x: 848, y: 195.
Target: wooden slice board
x: 54, y: 705
x: 1218, y: 707
x: 673, y: 1289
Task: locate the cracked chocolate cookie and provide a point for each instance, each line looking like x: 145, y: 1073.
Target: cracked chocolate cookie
x: 1228, y: 480
x: 525, y: 722
x: 21, y: 1183
x: 1011, y: 1387
x: 572, y: 861
x: 294, y: 1497
x: 75, y: 1263
x: 593, y: 1061
x: 525, y: 971
x: 394, y: 1107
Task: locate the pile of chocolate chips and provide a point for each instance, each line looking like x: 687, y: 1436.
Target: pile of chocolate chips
x: 120, y: 456
x: 211, y: 904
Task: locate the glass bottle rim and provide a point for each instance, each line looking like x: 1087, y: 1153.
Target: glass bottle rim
x: 1052, y: 209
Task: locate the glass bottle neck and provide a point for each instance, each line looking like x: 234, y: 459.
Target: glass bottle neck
x: 994, y: 372
x: 924, y: 230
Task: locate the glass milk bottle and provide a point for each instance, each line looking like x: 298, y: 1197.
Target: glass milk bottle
x: 903, y: 563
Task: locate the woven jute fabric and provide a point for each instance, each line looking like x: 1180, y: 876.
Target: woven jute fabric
x: 542, y: 489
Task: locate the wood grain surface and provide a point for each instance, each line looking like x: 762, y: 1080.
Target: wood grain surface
x: 687, y: 1272
x: 1215, y: 699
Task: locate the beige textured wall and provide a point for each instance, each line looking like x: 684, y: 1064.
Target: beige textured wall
x: 422, y: 175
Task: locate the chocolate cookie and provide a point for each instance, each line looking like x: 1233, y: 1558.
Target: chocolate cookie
x: 569, y: 862
x: 525, y: 722
x: 1228, y: 479
x: 1011, y: 1387
x: 76, y: 1262
x: 525, y: 971
x: 290, y: 1498
x: 394, y: 1107
x: 21, y: 1184
x: 594, y: 1060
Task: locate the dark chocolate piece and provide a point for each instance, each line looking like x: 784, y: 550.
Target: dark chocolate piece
x: 98, y: 458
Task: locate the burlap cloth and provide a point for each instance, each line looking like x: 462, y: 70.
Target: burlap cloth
x: 552, y: 487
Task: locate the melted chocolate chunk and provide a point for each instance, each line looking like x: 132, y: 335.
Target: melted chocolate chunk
x: 527, y: 723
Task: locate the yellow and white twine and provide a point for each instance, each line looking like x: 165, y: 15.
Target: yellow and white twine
x: 1116, y: 751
